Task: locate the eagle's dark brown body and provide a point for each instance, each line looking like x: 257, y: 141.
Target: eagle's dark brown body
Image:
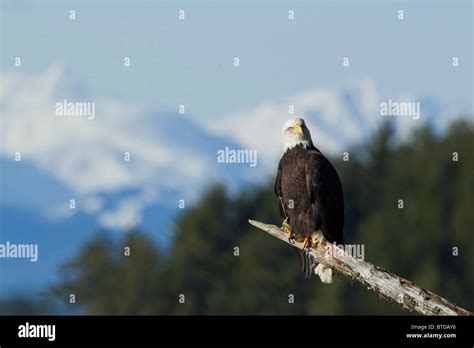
x: 310, y: 193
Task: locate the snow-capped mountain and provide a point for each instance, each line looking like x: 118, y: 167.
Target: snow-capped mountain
x: 113, y: 165
x: 64, y: 177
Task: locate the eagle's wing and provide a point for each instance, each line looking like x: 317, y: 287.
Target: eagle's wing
x: 278, y: 191
x: 324, y: 191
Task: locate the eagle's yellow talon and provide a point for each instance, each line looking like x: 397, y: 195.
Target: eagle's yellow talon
x: 307, y: 242
x: 287, y: 228
x: 291, y: 236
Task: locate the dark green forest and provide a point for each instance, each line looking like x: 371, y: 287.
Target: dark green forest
x: 429, y: 241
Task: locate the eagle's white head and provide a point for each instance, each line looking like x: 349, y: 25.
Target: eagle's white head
x: 294, y: 132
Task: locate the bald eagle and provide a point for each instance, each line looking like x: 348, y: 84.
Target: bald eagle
x: 310, y: 195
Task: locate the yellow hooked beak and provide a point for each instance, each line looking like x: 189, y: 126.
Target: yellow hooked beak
x: 298, y: 129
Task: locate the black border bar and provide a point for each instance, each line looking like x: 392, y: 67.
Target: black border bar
x: 136, y: 330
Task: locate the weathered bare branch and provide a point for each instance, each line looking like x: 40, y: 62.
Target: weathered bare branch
x: 387, y: 285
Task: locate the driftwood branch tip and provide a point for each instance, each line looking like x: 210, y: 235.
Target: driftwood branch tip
x: 387, y: 285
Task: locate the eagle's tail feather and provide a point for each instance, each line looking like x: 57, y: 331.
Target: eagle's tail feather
x: 324, y: 273
x: 308, y: 265
x: 306, y: 262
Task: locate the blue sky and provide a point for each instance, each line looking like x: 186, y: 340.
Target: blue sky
x: 190, y: 62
